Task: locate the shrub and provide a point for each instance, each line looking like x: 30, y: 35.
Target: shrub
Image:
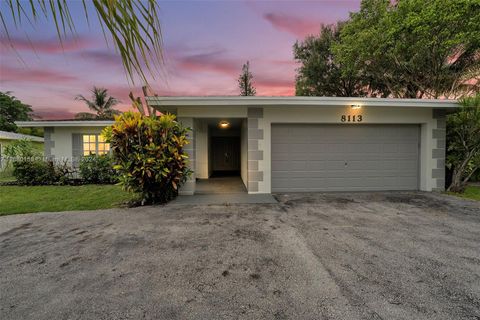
x: 98, y: 169
x: 148, y: 154
x: 463, y: 143
x: 35, y: 172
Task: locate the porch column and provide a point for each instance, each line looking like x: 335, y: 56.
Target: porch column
x: 188, y: 188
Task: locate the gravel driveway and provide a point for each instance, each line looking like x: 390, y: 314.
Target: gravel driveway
x: 311, y: 256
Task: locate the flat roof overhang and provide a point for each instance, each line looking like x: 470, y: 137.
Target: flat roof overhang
x: 64, y: 123
x: 296, y: 101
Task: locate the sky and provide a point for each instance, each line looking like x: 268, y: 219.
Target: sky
x: 205, y: 45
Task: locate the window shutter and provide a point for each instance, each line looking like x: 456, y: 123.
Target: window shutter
x: 77, y: 148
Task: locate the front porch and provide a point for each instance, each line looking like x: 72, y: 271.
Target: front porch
x: 224, y: 154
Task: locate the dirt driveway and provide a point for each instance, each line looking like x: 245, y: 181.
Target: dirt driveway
x: 312, y: 256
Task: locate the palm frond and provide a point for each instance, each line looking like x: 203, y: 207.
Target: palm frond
x: 134, y: 28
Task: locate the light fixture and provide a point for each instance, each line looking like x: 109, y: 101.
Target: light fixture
x: 224, y: 124
x: 356, y: 106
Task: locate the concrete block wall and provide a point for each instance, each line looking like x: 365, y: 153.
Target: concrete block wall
x: 255, y: 149
x: 439, y: 149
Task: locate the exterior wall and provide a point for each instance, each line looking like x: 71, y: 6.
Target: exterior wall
x: 201, y: 149
x: 423, y: 116
x: 244, y: 152
x: 439, y: 149
x: 256, y: 150
x: 58, y: 140
x: 212, y: 112
x: 189, y: 187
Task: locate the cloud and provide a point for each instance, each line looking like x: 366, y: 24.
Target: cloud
x: 44, y: 113
x: 102, y: 57
x: 50, y: 46
x: 297, y: 26
x: 33, y: 75
x: 270, y: 86
x: 213, y: 61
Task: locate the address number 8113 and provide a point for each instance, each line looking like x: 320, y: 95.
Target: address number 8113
x: 351, y: 118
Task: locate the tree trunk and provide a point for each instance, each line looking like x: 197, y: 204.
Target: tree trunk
x: 458, y: 184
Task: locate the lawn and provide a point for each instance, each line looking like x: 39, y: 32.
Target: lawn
x: 20, y: 199
x: 471, y: 192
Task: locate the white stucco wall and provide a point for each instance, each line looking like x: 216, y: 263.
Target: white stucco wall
x: 371, y: 115
x: 243, y: 152
x: 201, y: 149
x: 62, y: 137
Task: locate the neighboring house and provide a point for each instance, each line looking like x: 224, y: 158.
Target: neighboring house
x: 7, y: 137
x: 290, y: 144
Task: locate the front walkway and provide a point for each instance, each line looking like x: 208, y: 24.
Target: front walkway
x: 220, y: 185
x: 223, y: 190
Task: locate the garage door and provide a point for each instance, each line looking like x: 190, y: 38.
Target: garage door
x: 316, y: 157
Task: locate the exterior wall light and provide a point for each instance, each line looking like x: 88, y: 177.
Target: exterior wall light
x: 356, y: 106
x: 224, y: 124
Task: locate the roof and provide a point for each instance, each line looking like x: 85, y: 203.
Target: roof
x: 5, y: 135
x: 64, y: 123
x: 297, y: 101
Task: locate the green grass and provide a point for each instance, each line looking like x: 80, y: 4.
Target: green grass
x: 471, y: 192
x: 22, y: 199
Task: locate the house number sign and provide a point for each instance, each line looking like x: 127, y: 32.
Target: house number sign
x: 351, y: 118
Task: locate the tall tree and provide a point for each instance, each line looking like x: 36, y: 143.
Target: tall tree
x: 319, y: 73
x: 133, y: 26
x: 245, y: 81
x: 414, y: 48
x: 463, y: 143
x: 11, y: 110
x: 101, y: 104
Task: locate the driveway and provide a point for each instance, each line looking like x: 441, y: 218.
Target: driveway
x: 311, y: 256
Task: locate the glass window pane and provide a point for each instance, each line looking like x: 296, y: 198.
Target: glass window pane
x: 101, y: 138
x: 85, y: 138
x: 107, y: 146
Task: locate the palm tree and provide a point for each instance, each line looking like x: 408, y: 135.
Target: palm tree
x: 101, y: 104
x: 133, y: 26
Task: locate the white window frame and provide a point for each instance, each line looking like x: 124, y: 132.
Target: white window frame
x: 97, y: 143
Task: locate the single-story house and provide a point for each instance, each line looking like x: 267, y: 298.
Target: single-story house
x: 7, y: 138
x: 294, y: 144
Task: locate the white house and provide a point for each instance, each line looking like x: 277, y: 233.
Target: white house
x: 294, y: 144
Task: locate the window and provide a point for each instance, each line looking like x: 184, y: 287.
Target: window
x: 94, y: 144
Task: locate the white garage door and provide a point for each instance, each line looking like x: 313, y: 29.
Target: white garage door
x: 308, y: 157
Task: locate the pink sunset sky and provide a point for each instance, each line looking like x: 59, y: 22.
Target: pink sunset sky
x: 205, y: 44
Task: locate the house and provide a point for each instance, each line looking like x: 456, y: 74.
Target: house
x: 294, y: 144
x: 7, y: 137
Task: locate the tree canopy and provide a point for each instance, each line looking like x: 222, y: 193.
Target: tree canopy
x: 320, y: 74
x: 403, y: 49
x: 11, y: 110
x: 245, y: 81
x: 463, y: 142
x: 101, y: 104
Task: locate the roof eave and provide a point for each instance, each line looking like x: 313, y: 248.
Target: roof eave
x: 56, y: 123
x: 156, y: 101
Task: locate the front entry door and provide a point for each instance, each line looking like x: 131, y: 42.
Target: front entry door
x: 225, y: 154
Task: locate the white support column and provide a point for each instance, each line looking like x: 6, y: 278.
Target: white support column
x: 188, y: 188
